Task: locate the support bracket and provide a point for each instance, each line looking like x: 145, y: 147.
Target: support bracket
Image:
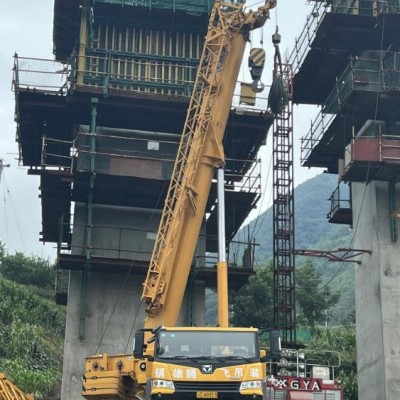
x: 340, y: 255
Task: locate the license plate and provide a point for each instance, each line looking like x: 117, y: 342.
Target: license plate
x: 207, y: 395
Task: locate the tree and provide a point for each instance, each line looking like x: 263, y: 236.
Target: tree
x: 36, y: 272
x: 342, y: 340
x: 252, y: 305
x: 314, y: 298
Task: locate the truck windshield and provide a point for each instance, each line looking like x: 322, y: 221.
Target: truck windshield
x: 207, y: 344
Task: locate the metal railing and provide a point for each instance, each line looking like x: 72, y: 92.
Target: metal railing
x: 169, y: 77
x: 364, y: 7
x: 57, y: 154
x: 62, y: 281
x: 339, y: 200
x: 307, y: 35
x: 239, y: 254
x: 74, y: 156
x: 39, y: 75
x: 321, y: 8
x: 299, y: 363
x: 372, y: 71
x: 387, y: 148
x: 314, y: 135
x: 355, y: 77
x: 202, y: 6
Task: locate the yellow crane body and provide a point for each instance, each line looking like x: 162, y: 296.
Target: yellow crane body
x: 167, y: 360
x: 8, y: 391
x: 200, y: 153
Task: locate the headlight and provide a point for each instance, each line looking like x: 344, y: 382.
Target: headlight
x: 250, y: 385
x: 161, y: 383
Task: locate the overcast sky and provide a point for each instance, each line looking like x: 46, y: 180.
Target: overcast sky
x: 26, y: 28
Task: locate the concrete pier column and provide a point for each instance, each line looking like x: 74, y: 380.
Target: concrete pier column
x: 377, y: 294
x: 113, y: 313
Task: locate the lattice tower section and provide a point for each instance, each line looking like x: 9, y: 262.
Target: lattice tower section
x: 283, y: 217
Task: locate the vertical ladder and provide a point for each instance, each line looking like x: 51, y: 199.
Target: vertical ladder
x: 283, y: 216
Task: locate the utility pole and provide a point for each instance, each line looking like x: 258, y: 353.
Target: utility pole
x: 2, y: 166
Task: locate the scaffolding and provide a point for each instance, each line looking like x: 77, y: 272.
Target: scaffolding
x: 283, y: 216
x: 371, y: 76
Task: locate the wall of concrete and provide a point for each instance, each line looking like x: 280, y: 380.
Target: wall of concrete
x: 114, y: 312
x: 123, y: 233
x: 118, y: 232
x: 377, y: 294
x: 125, y: 152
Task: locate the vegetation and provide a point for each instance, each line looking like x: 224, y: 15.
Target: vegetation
x: 324, y: 290
x: 31, y: 326
x: 35, y: 272
x: 314, y: 298
x: 343, y: 340
x: 312, y: 231
x: 252, y: 305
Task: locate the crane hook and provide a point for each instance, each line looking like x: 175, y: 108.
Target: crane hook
x: 257, y: 86
x: 256, y: 65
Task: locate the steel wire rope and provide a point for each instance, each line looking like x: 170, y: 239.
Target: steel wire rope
x: 369, y: 163
x: 254, y: 233
x: 139, y: 303
x: 251, y: 237
x: 236, y: 247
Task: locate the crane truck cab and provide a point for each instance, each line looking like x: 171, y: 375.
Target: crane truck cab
x: 204, y: 363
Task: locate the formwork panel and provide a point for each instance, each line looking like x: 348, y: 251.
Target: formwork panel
x: 161, y: 61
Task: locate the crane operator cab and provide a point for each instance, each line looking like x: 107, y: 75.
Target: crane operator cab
x: 210, y: 363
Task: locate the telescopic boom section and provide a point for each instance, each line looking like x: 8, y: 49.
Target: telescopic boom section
x: 199, y: 154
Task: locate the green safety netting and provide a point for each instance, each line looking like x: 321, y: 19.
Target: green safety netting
x: 195, y: 6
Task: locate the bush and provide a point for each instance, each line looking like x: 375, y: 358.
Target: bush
x: 40, y: 383
x: 31, y: 339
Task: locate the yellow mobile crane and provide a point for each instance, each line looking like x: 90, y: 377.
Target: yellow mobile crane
x: 8, y: 391
x: 191, y: 362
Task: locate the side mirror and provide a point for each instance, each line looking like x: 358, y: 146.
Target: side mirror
x: 275, y: 345
x: 138, y: 345
x: 160, y: 351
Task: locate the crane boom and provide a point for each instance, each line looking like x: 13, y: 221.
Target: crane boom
x: 200, y: 153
